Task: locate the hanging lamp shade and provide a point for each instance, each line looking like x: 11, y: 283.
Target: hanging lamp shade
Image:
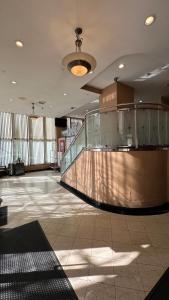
x: 79, y: 63
x: 33, y: 116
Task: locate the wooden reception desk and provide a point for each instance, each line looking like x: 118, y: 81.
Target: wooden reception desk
x: 132, y: 179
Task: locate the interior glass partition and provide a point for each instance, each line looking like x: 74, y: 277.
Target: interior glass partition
x: 126, y: 127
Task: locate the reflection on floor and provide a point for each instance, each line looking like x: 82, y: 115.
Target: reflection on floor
x: 106, y: 256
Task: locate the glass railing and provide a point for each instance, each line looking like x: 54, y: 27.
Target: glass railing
x: 129, y: 125
x: 74, y: 150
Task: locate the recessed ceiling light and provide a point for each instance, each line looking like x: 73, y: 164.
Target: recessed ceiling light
x: 149, y: 20
x: 65, y: 94
x: 95, y: 101
x: 140, y: 101
x: 121, y: 66
x: 91, y: 72
x: 10, y: 100
x: 19, y: 44
x: 13, y: 82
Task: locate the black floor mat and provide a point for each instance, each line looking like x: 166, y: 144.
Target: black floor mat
x: 29, y: 268
x: 161, y: 290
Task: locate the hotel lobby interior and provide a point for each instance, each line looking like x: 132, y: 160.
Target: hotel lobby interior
x: 84, y: 150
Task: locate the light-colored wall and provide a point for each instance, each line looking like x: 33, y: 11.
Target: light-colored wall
x: 128, y: 179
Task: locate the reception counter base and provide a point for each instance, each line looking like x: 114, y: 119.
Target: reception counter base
x: 161, y: 209
x: 118, y: 179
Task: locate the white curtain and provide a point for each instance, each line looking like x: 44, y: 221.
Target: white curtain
x: 33, y: 141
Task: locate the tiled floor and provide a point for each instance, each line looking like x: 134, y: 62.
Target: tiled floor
x: 106, y: 256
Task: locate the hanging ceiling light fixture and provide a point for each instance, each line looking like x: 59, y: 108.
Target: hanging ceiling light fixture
x: 33, y: 116
x: 79, y: 63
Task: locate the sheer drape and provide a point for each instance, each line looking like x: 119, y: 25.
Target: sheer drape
x: 30, y: 140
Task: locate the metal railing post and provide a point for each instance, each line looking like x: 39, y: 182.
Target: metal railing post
x: 135, y: 127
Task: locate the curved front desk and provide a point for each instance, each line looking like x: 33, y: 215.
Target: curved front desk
x: 127, y: 179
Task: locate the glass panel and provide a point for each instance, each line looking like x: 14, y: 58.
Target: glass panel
x: 154, y: 139
x: 143, y: 126
x: 93, y: 130
x: 21, y: 150
x: 73, y: 151
x: 37, y: 150
x: 6, y: 152
x: 37, y: 129
x: 51, y: 152
x: 126, y: 128
x: 20, y: 126
x: 5, y: 125
x: 50, y: 129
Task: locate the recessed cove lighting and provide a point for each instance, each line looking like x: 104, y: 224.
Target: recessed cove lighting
x: 121, y: 66
x: 13, y: 82
x: 149, y: 20
x: 65, y: 94
x: 19, y: 44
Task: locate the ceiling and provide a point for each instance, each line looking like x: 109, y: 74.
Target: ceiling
x: 114, y: 32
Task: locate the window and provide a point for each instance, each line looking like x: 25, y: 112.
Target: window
x: 31, y: 140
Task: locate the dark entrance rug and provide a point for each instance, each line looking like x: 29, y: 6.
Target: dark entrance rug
x: 161, y: 290
x: 29, y: 268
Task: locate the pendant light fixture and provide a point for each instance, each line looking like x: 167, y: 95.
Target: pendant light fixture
x: 79, y: 63
x: 33, y: 116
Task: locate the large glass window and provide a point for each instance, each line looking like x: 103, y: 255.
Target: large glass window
x: 31, y: 140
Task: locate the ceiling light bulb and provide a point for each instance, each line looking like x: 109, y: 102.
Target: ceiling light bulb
x: 79, y: 70
x: 140, y: 101
x: 121, y: 66
x: 149, y: 20
x: 65, y: 94
x: 19, y: 44
x: 13, y: 82
x: 91, y: 72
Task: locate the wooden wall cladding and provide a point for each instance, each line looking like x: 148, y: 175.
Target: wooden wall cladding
x: 128, y: 179
x: 115, y: 94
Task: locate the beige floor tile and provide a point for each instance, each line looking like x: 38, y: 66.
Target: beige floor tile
x: 129, y: 281
x: 129, y: 294
x: 80, y: 287
x: 150, y: 275
x: 102, y: 274
x: 102, y: 234
x: 102, y: 248
x: 106, y: 255
x: 100, y: 292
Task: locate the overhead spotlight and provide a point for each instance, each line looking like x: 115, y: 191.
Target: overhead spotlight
x: 79, y: 63
x: 19, y: 44
x: 121, y: 66
x: 13, y: 82
x: 140, y: 101
x: 149, y: 20
x: 65, y: 94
